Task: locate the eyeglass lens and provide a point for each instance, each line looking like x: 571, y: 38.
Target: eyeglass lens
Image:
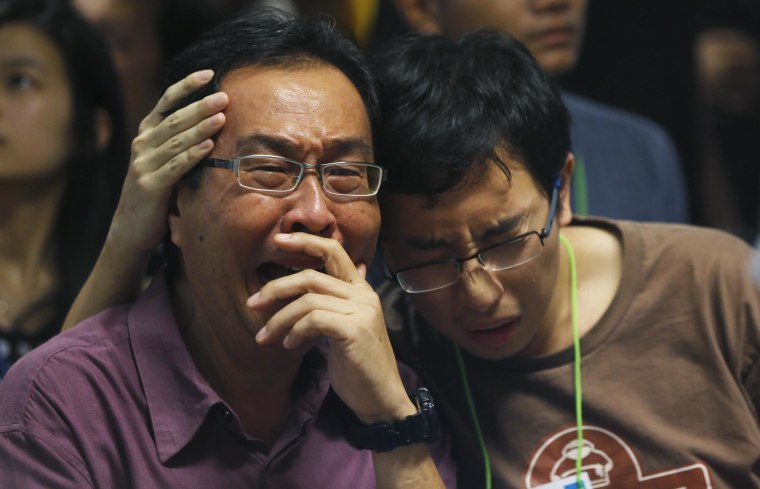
x: 501, y: 257
x: 345, y: 178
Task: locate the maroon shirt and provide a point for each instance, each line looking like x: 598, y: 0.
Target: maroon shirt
x: 117, y: 402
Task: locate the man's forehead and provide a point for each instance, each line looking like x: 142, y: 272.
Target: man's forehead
x: 286, y: 107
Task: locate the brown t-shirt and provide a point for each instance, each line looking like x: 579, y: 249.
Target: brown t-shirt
x: 670, y: 373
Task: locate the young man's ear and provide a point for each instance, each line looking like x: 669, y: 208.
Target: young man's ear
x: 565, y: 212
x: 420, y: 15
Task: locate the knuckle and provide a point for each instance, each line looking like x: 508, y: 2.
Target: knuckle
x: 309, y: 301
x: 311, y: 274
x: 145, y: 124
x: 139, y: 144
x: 175, y: 144
x: 173, y: 122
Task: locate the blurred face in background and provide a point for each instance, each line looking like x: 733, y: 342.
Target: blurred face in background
x: 35, y: 104
x: 130, y: 26
x: 551, y: 29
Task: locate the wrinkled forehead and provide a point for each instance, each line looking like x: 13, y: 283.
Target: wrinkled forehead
x: 309, y: 109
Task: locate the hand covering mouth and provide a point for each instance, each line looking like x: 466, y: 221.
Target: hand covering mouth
x: 266, y: 272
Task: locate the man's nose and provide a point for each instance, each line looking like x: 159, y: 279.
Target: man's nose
x: 479, y: 289
x: 310, y: 210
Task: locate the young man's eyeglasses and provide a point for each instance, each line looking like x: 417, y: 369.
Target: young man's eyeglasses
x: 278, y: 175
x: 500, y: 256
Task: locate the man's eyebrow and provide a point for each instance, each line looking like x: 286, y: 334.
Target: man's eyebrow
x: 502, y: 226
x: 289, y: 148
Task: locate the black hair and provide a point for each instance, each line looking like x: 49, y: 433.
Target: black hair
x: 448, y: 107
x: 180, y: 23
x: 94, y: 176
x: 271, y: 37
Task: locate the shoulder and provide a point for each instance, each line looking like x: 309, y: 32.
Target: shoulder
x: 61, y: 367
x: 591, y: 115
x: 698, y: 258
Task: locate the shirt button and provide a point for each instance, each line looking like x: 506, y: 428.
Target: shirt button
x: 227, y: 416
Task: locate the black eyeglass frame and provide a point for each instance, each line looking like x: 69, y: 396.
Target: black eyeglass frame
x: 545, y: 232
x: 234, y: 165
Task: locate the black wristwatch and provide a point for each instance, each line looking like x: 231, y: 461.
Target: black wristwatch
x: 385, y: 436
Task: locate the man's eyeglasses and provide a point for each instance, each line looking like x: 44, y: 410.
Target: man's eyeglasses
x: 500, y: 256
x: 278, y: 175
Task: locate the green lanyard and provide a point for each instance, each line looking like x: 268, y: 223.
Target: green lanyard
x: 576, y: 375
x: 580, y: 187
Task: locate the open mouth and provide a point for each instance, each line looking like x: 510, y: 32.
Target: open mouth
x: 266, y: 272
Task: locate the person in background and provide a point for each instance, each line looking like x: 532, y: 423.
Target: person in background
x: 560, y: 348
x: 626, y: 166
x: 728, y: 77
x: 63, y: 157
x: 195, y: 384
x: 144, y: 35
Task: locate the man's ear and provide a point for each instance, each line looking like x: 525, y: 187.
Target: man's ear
x: 565, y: 213
x: 420, y: 15
x: 103, y: 129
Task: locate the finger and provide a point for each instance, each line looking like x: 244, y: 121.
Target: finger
x: 173, y: 95
x: 307, y: 329
x: 173, y: 170
x: 304, y: 282
x: 337, y: 262
x: 181, y: 130
x: 184, y: 141
x: 281, y: 323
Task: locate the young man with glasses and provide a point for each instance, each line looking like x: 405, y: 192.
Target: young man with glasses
x: 194, y: 385
x: 560, y: 349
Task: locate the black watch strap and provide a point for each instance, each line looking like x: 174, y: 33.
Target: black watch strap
x: 422, y: 427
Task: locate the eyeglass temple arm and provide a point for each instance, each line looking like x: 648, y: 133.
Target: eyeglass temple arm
x: 552, y: 208
x: 218, y: 163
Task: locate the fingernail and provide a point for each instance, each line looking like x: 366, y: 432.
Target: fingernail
x: 283, y: 236
x: 253, y: 300
x: 218, y: 98
x: 261, y: 334
x: 204, y: 145
x: 204, y: 76
x: 216, y: 120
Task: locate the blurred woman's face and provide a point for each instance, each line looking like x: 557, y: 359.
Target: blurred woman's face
x: 35, y: 105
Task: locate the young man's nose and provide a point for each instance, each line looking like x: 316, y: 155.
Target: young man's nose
x: 479, y: 289
x: 310, y: 210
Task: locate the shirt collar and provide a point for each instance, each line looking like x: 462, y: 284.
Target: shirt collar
x: 178, y: 397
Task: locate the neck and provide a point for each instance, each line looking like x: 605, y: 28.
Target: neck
x: 256, y: 382
x: 28, y: 215
x: 598, y: 257
x: 555, y: 334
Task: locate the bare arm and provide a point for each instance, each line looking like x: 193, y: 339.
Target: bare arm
x: 164, y: 150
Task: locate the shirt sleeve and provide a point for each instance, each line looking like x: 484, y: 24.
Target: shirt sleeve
x: 30, y: 461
